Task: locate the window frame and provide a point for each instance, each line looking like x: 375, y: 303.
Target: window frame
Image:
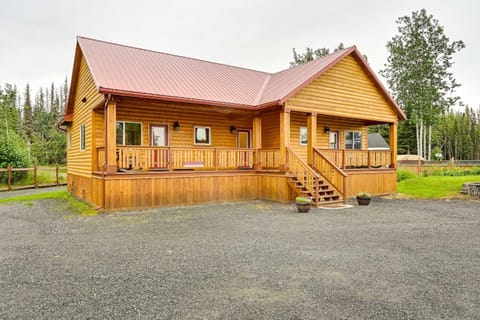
x: 353, y: 139
x: 303, y: 142
x: 123, y: 133
x: 209, y: 136
x: 83, y: 135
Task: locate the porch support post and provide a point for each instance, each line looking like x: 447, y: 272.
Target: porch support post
x: 312, y: 136
x: 393, y: 144
x: 257, y: 142
x: 111, y: 137
x: 284, y: 138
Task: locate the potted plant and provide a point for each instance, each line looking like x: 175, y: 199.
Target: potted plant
x: 303, y: 204
x: 363, y: 198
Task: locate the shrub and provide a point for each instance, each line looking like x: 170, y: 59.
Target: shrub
x: 457, y: 172
x: 15, y: 152
x: 404, y: 175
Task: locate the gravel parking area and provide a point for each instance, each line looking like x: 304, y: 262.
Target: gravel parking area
x: 395, y: 259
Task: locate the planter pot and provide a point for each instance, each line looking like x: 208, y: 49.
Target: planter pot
x: 303, y: 207
x: 363, y: 201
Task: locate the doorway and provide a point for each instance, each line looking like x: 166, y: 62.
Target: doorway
x: 334, y: 140
x: 159, y: 138
x: 243, y: 139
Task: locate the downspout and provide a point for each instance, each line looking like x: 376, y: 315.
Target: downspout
x: 105, y: 137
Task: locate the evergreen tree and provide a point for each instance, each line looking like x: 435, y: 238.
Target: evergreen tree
x: 27, y: 123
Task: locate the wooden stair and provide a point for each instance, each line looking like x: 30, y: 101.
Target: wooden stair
x: 326, y: 193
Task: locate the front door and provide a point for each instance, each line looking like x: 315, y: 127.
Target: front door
x: 159, y: 138
x: 334, y: 141
x: 243, y: 139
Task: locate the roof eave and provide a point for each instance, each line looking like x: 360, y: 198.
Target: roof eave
x: 133, y: 94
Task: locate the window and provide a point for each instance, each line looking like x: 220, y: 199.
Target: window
x: 202, y: 135
x: 353, y: 140
x: 129, y: 133
x: 303, y: 136
x: 82, y: 137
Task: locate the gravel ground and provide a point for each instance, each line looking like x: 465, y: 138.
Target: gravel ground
x: 395, y: 259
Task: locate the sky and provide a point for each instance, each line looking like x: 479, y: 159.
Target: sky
x: 38, y: 37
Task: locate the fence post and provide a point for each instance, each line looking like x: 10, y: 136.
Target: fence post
x: 9, y: 176
x: 56, y: 174
x: 35, y: 180
x: 369, y: 159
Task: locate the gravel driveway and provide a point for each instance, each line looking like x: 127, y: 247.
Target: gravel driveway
x: 396, y: 259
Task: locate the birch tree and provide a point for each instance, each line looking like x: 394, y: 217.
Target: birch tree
x: 418, y: 73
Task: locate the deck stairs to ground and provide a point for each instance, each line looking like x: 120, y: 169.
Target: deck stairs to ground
x: 326, y: 193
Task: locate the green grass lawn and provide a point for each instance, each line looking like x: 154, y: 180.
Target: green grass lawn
x: 434, y: 187
x: 70, y: 203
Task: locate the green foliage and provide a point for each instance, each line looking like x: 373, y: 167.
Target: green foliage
x: 303, y: 200
x: 459, y: 134
x: 434, y: 187
x: 405, y: 174
x: 311, y: 54
x: 417, y: 72
x: 364, y: 195
x: 68, y: 202
x: 457, y: 172
x: 14, y: 151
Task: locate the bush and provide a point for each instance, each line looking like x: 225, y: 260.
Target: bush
x: 404, y: 175
x: 15, y: 152
x: 457, y: 172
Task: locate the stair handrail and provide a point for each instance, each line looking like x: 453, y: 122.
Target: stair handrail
x: 333, y: 174
x: 303, y: 172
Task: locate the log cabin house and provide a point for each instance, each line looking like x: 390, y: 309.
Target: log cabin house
x: 148, y: 129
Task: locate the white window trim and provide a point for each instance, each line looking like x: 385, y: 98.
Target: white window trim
x: 209, y: 136
x: 123, y: 133
x: 353, y: 141
x: 306, y: 131
x: 83, y: 137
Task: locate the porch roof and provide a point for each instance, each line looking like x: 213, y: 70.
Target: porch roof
x: 128, y: 71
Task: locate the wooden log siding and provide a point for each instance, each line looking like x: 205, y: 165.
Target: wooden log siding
x: 188, y: 116
x: 81, y: 162
x: 345, y: 89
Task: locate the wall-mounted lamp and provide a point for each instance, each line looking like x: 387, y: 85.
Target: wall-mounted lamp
x: 176, y: 126
x: 233, y: 130
x: 326, y: 129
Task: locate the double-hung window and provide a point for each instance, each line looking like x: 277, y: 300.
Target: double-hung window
x: 202, y: 135
x: 129, y: 133
x: 82, y: 137
x: 353, y: 140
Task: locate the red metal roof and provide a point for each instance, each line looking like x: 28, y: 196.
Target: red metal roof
x: 128, y: 71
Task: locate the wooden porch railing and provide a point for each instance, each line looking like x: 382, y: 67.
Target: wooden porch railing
x: 303, y: 172
x: 357, y: 159
x: 269, y: 158
x: 334, y: 175
x: 177, y: 158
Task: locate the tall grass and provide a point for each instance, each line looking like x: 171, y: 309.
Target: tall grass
x: 45, y: 175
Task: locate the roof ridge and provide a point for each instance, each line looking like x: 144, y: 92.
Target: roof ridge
x: 260, y: 93
x: 314, y: 60
x: 172, y: 54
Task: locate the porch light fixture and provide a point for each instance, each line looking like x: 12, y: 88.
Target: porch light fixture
x: 326, y: 129
x: 233, y: 130
x: 176, y: 126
